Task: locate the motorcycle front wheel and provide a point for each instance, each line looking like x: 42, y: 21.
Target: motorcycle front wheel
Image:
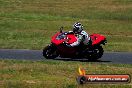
x: 50, y: 52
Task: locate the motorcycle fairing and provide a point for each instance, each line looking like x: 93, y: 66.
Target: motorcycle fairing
x: 68, y: 38
x: 97, y: 39
x: 55, y: 41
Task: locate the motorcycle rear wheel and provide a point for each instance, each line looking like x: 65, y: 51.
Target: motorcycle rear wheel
x: 97, y: 53
x: 49, y: 52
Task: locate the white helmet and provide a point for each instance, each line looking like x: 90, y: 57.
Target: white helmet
x: 77, y: 27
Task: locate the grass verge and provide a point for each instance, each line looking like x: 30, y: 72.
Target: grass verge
x: 55, y: 74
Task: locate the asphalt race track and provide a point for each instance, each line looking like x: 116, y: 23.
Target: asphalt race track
x: 23, y: 54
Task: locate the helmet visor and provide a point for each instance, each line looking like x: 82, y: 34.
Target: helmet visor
x: 75, y: 30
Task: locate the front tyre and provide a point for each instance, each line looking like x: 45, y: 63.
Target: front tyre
x: 50, y: 52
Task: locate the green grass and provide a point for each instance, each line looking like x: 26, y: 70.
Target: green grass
x: 55, y: 74
x: 30, y: 24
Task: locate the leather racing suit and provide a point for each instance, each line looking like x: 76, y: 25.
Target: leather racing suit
x: 81, y: 37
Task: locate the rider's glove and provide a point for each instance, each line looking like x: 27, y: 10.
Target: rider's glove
x: 70, y: 32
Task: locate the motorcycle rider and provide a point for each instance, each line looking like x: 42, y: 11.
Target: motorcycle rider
x: 82, y: 36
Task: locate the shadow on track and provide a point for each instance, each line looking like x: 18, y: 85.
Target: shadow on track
x: 80, y: 60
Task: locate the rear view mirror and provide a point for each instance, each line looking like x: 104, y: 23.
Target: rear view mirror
x: 61, y: 28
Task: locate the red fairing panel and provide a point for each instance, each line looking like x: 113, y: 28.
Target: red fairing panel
x: 71, y: 38
x: 97, y: 38
x: 55, y: 41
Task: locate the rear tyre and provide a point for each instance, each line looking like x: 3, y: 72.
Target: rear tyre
x: 96, y: 54
x: 50, y: 52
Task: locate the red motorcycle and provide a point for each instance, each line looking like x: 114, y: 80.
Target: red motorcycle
x: 61, y: 40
